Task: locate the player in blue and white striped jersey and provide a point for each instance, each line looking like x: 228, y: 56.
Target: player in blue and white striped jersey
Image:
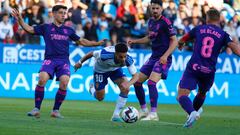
x: 109, y: 63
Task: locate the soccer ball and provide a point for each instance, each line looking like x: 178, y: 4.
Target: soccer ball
x: 130, y: 114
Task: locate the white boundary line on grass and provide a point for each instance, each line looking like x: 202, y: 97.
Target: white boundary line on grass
x: 170, y: 123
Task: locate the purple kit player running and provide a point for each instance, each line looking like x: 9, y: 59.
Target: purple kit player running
x: 209, y: 40
x: 57, y: 38
x: 163, y: 41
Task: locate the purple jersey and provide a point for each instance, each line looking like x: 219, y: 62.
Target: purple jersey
x: 209, y: 40
x: 160, y: 32
x: 57, y: 40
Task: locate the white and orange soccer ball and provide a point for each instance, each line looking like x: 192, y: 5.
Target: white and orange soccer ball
x: 130, y: 114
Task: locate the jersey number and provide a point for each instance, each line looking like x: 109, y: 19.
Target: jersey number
x: 207, y: 46
x: 99, y: 78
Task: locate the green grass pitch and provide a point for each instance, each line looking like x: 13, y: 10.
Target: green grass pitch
x: 93, y: 118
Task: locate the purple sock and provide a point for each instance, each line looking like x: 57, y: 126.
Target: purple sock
x: 39, y: 95
x: 60, y: 96
x: 198, y: 101
x: 153, y: 93
x: 186, y: 104
x: 143, y: 106
x: 140, y: 93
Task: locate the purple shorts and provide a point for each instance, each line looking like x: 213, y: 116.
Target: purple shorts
x: 56, y: 66
x: 191, y: 79
x: 154, y: 65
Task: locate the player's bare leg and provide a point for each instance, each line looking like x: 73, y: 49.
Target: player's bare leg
x: 153, y: 93
x: 99, y: 95
x: 39, y: 94
x: 140, y: 93
x: 122, y: 99
x: 60, y: 96
x: 187, y: 105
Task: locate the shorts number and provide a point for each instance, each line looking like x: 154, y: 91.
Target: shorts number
x: 99, y: 78
x: 207, y: 46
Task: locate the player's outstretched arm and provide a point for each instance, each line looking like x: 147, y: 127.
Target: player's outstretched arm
x: 133, y: 71
x: 235, y: 47
x: 82, y: 60
x: 18, y: 16
x: 143, y: 40
x: 133, y: 79
x: 181, y: 44
x: 85, y: 42
x: 182, y: 41
x: 172, y: 46
x: 127, y: 84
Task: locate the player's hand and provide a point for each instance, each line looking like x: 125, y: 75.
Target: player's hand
x: 102, y: 42
x: 15, y: 13
x: 163, y: 60
x: 77, y: 66
x: 180, y: 46
x: 129, y: 42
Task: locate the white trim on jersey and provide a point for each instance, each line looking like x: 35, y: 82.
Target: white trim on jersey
x: 132, y: 69
x: 97, y: 54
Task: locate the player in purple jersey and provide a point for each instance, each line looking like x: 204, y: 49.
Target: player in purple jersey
x: 162, y: 37
x: 57, y: 37
x: 209, y: 39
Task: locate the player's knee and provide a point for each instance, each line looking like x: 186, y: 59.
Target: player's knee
x: 181, y: 93
x: 179, y: 96
x: 124, y: 90
x: 63, y: 85
x: 100, y: 98
x: 42, y: 82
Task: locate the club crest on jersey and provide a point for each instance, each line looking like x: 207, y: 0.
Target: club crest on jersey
x: 53, y: 29
x: 65, y: 31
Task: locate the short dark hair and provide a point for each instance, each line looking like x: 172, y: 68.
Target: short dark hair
x: 57, y: 7
x: 213, y: 14
x: 159, y: 2
x: 5, y: 14
x: 121, y: 47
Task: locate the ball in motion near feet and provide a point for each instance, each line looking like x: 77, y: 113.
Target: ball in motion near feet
x: 130, y: 114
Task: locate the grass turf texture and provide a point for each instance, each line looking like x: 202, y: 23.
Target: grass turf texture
x: 84, y: 118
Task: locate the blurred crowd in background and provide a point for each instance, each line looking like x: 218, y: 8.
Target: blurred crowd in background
x: 115, y: 20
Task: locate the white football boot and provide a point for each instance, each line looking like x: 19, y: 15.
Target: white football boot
x: 194, y: 116
x: 152, y: 116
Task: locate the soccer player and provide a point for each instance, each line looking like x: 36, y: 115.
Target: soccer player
x: 209, y: 40
x: 57, y: 37
x: 109, y: 63
x: 162, y: 37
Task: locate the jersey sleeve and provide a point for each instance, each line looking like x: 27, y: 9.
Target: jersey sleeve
x: 129, y: 60
x: 97, y: 54
x: 40, y: 29
x: 192, y: 33
x: 132, y: 69
x: 73, y: 36
x: 130, y: 64
x: 227, y: 39
x: 170, y: 30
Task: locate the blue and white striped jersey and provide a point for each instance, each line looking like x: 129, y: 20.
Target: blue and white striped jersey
x: 105, y: 61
